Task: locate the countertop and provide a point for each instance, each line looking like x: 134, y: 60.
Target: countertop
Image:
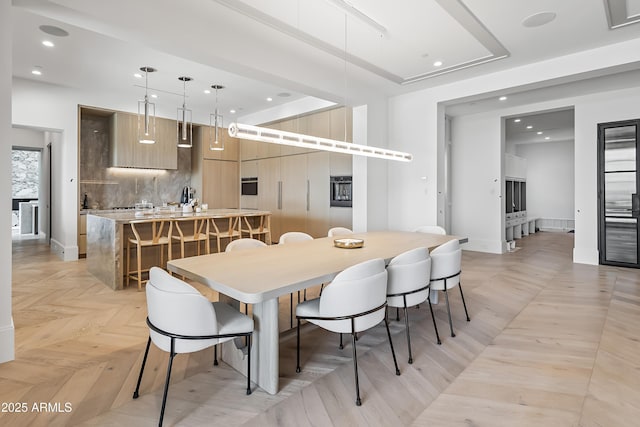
x: 126, y: 216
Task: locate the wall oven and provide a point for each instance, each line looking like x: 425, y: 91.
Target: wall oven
x: 341, y: 191
x: 249, y: 186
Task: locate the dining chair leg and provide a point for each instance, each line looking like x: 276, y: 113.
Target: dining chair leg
x: 355, y: 369
x: 249, y: 364
x: 291, y: 309
x: 298, y: 347
x: 406, y: 328
x: 215, y: 355
x: 446, y: 297
x: 166, y: 384
x: 464, y: 303
x: 144, y: 362
x: 435, y: 327
x: 397, y: 314
x: 393, y: 353
x: 128, y: 263
x: 341, y: 346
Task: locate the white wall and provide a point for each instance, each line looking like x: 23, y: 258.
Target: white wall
x: 414, y: 126
x: 6, y: 320
x: 550, y: 179
x: 476, y: 182
x: 27, y: 138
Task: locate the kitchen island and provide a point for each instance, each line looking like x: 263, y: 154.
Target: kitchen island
x: 108, y: 231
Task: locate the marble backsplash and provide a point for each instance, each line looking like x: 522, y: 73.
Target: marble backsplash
x: 107, y: 187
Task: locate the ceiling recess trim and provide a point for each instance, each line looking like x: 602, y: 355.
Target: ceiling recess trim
x: 455, y: 8
x: 617, y: 14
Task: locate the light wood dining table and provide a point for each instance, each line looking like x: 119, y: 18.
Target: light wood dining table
x: 259, y: 276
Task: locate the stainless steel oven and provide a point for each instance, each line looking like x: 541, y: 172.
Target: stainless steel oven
x: 249, y: 186
x: 341, y: 191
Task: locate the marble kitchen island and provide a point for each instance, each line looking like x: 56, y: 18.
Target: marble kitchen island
x: 108, y: 231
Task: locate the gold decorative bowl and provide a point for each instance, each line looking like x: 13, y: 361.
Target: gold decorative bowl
x: 348, y: 243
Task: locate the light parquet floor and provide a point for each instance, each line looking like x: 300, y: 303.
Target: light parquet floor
x: 550, y: 343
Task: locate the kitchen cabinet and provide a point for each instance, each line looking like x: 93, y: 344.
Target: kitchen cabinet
x: 341, y: 119
x: 270, y: 192
x: 231, y: 145
x: 294, y: 192
x: 220, y: 184
x: 127, y: 152
x: 318, y: 219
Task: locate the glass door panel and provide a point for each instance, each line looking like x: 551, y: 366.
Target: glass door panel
x: 618, y: 193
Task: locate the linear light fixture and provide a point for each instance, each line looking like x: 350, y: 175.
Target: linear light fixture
x: 274, y: 136
x: 184, y: 124
x: 146, y: 113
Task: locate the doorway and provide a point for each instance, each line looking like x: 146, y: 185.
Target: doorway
x: 618, y: 202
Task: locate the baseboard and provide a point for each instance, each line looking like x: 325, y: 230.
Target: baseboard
x: 586, y: 256
x: 66, y: 253
x: 7, y: 343
x: 488, y: 246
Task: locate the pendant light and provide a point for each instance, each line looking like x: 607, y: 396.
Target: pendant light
x: 184, y: 123
x: 146, y: 113
x: 216, y: 143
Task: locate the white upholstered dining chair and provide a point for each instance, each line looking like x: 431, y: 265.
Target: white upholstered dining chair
x: 339, y: 231
x: 241, y: 244
x: 353, y: 302
x: 446, y: 267
x: 291, y: 237
x: 431, y: 229
x: 408, y: 285
x: 182, y: 320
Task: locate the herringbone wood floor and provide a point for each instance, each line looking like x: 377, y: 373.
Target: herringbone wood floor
x: 550, y: 343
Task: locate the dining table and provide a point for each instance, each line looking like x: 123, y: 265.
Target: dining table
x: 259, y: 276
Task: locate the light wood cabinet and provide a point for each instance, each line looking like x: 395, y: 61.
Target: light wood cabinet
x: 294, y: 193
x: 82, y: 236
x: 220, y: 184
x: 318, y: 219
x: 270, y: 192
x: 231, y: 145
x: 126, y: 151
x: 339, y: 119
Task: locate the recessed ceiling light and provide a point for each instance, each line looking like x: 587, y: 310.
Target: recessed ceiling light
x: 207, y: 91
x: 529, y: 127
x: 538, y: 19
x: 269, y: 99
x: 232, y: 111
x: 437, y: 63
x: 37, y: 71
x: 503, y: 98
x: 153, y: 95
x: 53, y: 30
x: 517, y: 121
x: 539, y: 132
x: 284, y: 94
x: 547, y: 137
x: 137, y: 75
x: 48, y: 43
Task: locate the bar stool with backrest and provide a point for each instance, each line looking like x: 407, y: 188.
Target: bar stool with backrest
x: 291, y: 237
x: 446, y: 267
x: 225, y: 228
x: 257, y: 226
x: 182, y: 320
x: 146, y: 234
x: 408, y: 285
x: 191, y: 230
x: 353, y: 302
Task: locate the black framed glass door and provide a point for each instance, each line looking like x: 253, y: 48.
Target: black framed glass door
x: 619, y: 205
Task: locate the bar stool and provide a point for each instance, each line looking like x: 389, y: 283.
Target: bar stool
x: 225, y: 228
x: 155, y: 235
x: 199, y: 233
x: 256, y: 226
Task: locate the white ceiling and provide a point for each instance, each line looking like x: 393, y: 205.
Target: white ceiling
x: 262, y: 48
